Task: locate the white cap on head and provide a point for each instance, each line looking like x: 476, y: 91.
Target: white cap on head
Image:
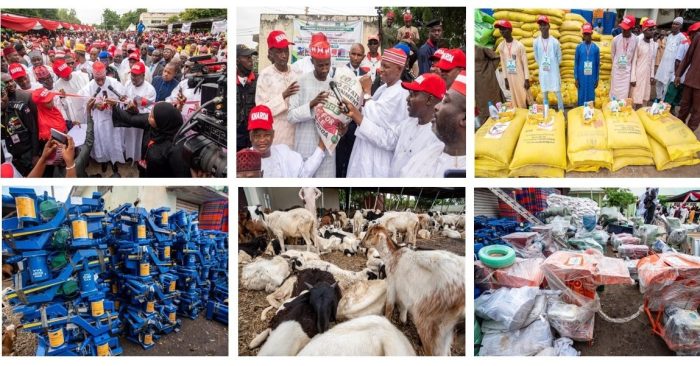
x: 678, y: 20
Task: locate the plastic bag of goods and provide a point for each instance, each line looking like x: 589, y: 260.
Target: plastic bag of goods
x: 495, y: 143
x: 483, y: 28
x: 587, y: 140
x: 627, y: 137
x: 541, y: 149
x: 562, y: 347
x: 572, y: 321
x: 523, y: 273
x: 624, y: 238
x: 527, y: 341
x: 631, y: 265
x: 328, y: 115
x: 585, y: 243
x: 632, y: 251
x: 682, y: 329
x: 539, y: 309
x: 525, y: 244
x: 600, y: 236
x: 670, y: 279
x: 672, y: 133
x: 647, y: 234
x: 664, y: 162
x: 510, y: 306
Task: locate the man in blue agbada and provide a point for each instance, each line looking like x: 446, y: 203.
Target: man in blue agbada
x: 587, y: 66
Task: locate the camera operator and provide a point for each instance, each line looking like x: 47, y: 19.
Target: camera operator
x: 161, y: 157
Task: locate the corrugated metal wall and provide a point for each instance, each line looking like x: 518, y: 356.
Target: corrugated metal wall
x: 485, y: 203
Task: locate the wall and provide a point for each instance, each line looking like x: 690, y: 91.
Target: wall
x: 485, y: 203
x: 281, y: 198
x: 150, y: 197
x: 284, y: 22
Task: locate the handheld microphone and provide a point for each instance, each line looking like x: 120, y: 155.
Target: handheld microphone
x: 97, y: 92
x: 341, y: 104
x: 114, y: 91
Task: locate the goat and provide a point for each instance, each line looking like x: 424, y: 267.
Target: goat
x: 427, y: 284
x: 299, y: 319
x: 375, y: 264
x: 366, y: 336
x: 9, y: 335
x: 357, y: 222
x: 343, y: 276
x: 406, y: 222
x: 343, y: 219
x: 296, y: 223
x: 349, y: 244
x: 423, y: 234
x: 453, y: 234
x: 360, y: 298
x: 253, y: 248
x: 265, y: 274
x: 327, y: 245
x: 372, y: 215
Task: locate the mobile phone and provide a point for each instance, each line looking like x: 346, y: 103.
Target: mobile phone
x: 59, y: 136
x: 455, y: 173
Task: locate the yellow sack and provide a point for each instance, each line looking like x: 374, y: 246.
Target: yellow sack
x: 517, y: 32
x: 663, y: 161
x: 495, y: 142
x: 571, y: 38
x: 527, y: 42
x: 557, y: 13
x: 567, y: 64
x: 587, y: 140
x: 532, y: 27
x: 571, y: 25
x: 515, y: 16
x: 541, y: 149
x: 627, y: 139
x: 552, y: 32
x: 575, y: 17
x: 569, y: 46
x: 621, y: 162
x: 672, y: 133
x: 596, y: 36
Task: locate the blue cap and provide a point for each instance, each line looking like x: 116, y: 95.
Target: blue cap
x: 404, y: 47
x: 103, y: 54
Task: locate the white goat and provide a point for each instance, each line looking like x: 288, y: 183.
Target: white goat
x: 453, y: 234
x: 404, y: 222
x: 362, y: 298
x: 357, y: 222
x: 423, y: 234
x: 265, y: 274
x: 296, y: 223
x: 366, y: 336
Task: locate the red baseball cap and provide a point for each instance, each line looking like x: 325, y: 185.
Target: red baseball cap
x: 8, y: 51
x: 460, y: 83
x: 138, y: 69
x: 318, y: 37
x: 260, y: 118
x: 438, y: 53
x: 61, y: 69
x: 648, y: 24
x: 627, y: 23
x: 52, y: 52
x: 320, y: 50
x: 407, y: 17
x: 99, y: 69
x: 451, y: 59
x: 134, y: 56
x: 542, y: 19
x: 16, y: 71
x: 430, y: 83
x: 587, y: 28
x: 277, y: 39
x: 503, y: 23
x: 43, y: 95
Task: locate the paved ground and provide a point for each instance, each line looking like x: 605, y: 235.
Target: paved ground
x: 125, y: 170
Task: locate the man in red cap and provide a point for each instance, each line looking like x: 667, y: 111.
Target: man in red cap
x: 642, y: 74
x: 304, y: 65
x: 623, y: 48
x: 388, y: 31
x: 452, y: 62
x: 373, y: 59
x: 514, y: 64
x: 450, y: 127
x: 278, y: 160
x: 276, y: 83
x: 71, y: 82
x: 586, y: 66
x: 109, y: 140
x: 313, y: 91
x: 415, y: 134
x: 690, y: 68
x: 548, y: 57
x: 379, y: 120
x: 43, y: 76
x: 140, y: 95
x: 19, y: 75
x: 408, y: 33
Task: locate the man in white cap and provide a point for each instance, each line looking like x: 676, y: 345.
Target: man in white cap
x: 378, y: 123
x: 664, y: 73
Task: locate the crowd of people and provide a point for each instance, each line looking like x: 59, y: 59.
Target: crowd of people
x: 71, y: 99
x: 644, y: 58
x: 412, y: 121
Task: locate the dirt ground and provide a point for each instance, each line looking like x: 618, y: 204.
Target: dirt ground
x: 199, y: 337
x: 252, y: 303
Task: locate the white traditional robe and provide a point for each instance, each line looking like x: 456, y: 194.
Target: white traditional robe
x: 283, y: 162
x: 73, y: 108
x: 667, y: 67
x: 268, y: 91
x: 194, y: 100
x: 134, y: 136
x: 433, y: 163
x: 373, y: 149
x: 108, y: 139
x: 414, y: 139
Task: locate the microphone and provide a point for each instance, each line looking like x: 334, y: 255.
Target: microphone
x: 341, y: 104
x: 97, y: 92
x: 114, y: 91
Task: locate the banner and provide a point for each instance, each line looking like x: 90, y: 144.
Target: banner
x: 185, y: 27
x: 341, y: 36
x: 170, y: 28
x: 218, y: 27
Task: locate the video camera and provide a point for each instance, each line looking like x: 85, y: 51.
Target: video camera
x: 205, y: 149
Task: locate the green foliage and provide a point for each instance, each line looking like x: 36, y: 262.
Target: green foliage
x: 618, y: 197
x: 173, y: 19
x: 194, y: 14
x: 68, y: 15
x: 110, y: 19
x: 454, y: 21
x: 64, y: 15
x: 130, y: 17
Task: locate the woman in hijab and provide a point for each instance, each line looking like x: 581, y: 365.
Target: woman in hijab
x: 162, y: 158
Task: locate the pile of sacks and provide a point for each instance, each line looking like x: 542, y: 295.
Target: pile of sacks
x: 540, y: 134
x: 672, y: 143
x: 578, y: 207
x: 602, y: 92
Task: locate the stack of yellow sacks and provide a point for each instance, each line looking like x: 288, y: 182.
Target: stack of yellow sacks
x: 495, y: 142
x: 673, y: 143
x: 602, y: 93
x: 541, y: 149
x: 588, y: 141
x: 627, y: 137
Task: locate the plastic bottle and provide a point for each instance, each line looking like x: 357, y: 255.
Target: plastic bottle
x: 493, y: 111
x: 546, y: 108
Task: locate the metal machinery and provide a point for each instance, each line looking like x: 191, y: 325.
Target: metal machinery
x: 85, y: 276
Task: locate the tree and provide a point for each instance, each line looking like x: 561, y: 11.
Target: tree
x: 68, y: 15
x: 110, y: 19
x: 194, y: 14
x: 131, y: 17
x: 453, y: 23
x: 173, y: 19
x: 618, y: 197
x: 51, y: 14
